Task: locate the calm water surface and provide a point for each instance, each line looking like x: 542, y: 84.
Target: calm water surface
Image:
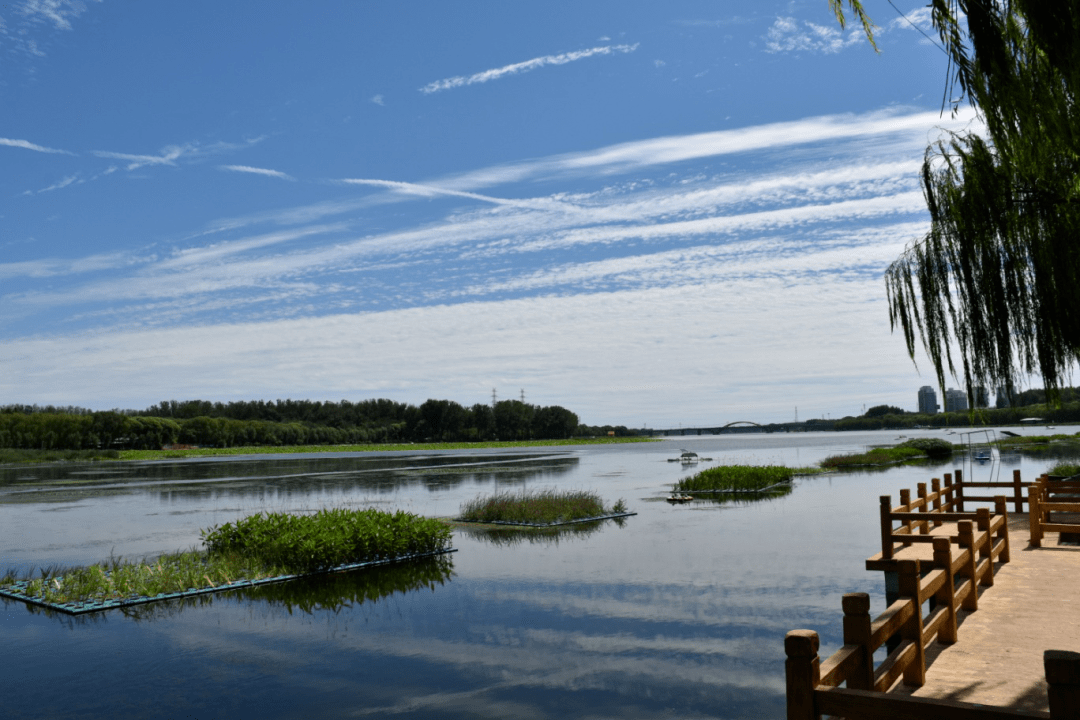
x: 679, y: 611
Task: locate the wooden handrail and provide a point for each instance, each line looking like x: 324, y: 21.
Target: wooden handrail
x: 1041, y: 503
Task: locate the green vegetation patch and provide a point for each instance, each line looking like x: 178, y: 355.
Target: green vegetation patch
x: 267, y: 546
x: 15, y: 455
x: 1065, y: 469
x: 310, y: 543
x: 909, y: 450
x: 538, y: 507
x: 736, y: 478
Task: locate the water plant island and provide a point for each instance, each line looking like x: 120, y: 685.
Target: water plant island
x: 258, y: 549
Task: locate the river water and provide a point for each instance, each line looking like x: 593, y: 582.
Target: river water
x: 679, y: 611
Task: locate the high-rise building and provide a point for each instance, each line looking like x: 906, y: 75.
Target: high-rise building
x: 955, y: 400
x: 981, y: 395
x: 927, y: 400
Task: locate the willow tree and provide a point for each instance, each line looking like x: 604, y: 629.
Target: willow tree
x: 996, y: 274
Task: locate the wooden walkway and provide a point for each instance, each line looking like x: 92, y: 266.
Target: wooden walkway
x: 1033, y: 605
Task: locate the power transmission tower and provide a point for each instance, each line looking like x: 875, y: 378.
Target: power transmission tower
x: 522, y: 396
x: 493, y: 398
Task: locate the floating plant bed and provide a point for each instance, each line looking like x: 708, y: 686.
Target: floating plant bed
x: 517, y: 523
x: 17, y: 590
x: 259, y: 549
x: 752, y: 491
x: 736, y: 478
x: 540, y: 508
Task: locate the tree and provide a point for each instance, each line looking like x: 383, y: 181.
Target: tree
x: 997, y: 273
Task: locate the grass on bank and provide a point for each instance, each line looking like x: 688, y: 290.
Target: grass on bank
x: 736, y: 478
x: 909, y: 450
x: 256, y: 547
x: 537, y: 507
x: 17, y: 455
x: 1067, y: 469
x: 372, y: 447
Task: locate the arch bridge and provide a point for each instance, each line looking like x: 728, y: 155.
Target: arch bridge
x: 735, y: 426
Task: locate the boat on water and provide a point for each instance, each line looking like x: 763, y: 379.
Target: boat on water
x: 673, y: 498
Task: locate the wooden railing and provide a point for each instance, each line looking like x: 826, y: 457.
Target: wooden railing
x: 814, y: 687
x: 1046, y: 496
x: 917, y: 517
x: 848, y: 685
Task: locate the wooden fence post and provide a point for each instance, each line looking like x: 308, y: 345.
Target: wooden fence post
x: 946, y: 595
x: 1018, y: 491
x: 803, y: 670
x: 905, y: 503
x: 1035, y: 514
x: 1062, y: 669
x: 924, y: 526
x: 910, y: 579
x: 1002, y: 508
x: 886, y: 527
x: 982, y: 519
x: 958, y: 481
x: 949, y: 506
x: 935, y: 488
x: 857, y: 632
x: 966, y: 540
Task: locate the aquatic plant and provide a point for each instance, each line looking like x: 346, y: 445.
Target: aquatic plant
x: 330, y: 537
x: 537, y: 507
x: 736, y: 478
x: 266, y: 545
x: 1066, y: 469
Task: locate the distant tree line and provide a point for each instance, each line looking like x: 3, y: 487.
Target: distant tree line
x: 282, y: 422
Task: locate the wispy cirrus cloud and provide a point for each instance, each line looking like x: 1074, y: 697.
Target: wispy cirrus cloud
x: 524, y: 67
x: 790, y: 35
x: 434, y: 191
x: 168, y: 156
x: 60, y: 184
x: 59, y: 13
x: 27, y: 145
x: 258, y: 171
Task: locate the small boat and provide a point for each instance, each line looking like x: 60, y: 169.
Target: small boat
x: 689, y: 457
x: 673, y: 498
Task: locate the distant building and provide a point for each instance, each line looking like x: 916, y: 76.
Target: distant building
x: 1003, y: 399
x: 955, y: 400
x: 982, y: 396
x: 927, y: 400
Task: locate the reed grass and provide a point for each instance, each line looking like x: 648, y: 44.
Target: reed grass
x: 539, y: 507
x: 736, y: 478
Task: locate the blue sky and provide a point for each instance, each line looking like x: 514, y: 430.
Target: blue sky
x: 650, y: 213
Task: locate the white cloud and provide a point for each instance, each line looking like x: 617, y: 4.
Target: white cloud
x: 523, y: 67
x: 576, y: 291
x: 168, y: 156
x: 58, y: 12
x: 257, y: 171
x: 920, y: 18
x: 378, y: 100
x: 70, y: 179
x: 9, y: 142
x: 790, y: 35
